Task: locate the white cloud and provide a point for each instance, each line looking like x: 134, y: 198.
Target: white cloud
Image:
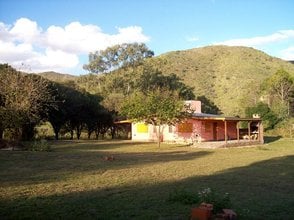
x: 58, y: 47
x: 260, y: 40
x: 288, y: 54
x: 192, y: 39
x: 10, y: 52
x: 25, y: 30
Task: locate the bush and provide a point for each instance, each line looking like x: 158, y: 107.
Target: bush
x: 184, y: 197
x: 39, y: 145
x: 284, y: 129
x: 266, y: 114
x: 219, y: 201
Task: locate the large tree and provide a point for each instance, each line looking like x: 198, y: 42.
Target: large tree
x: 25, y: 100
x: 158, y: 107
x: 280, y: 89
x: 118, y: 56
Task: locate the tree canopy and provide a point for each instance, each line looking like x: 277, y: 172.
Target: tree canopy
x: 25, y: 100
x: 118, y: 56
x: 280, y: 89
x: 158, y: 107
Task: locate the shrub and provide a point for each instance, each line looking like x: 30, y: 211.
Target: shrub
x: 39, y: 145
x: 184, y: 197
x: 219, y: 201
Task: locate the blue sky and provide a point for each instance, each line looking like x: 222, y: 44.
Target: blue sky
x: 41, y: 35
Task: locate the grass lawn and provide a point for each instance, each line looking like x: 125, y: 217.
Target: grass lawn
x: 75, y: 182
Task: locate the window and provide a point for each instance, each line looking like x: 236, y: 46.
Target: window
x: 185, y: 127
x: 207, y: 127
x: 142, y: 128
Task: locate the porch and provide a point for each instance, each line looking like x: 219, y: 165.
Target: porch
x: 225, y: 144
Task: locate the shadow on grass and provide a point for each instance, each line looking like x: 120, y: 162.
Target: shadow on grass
x: 25, y: 168
x: 271, y: 139
x: 86, y: 145
x: 262, y: 190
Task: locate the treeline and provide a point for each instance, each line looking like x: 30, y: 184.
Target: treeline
x: 26, y: 100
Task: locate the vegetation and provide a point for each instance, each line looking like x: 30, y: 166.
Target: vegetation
x: 227, y: 80
x: 24, y: 100
x: 76, y: 181
x: 157, y: 108
x: 230, y: 77
x: 118, y: 56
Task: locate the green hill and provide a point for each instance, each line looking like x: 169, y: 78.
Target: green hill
x: 58, y: 77
x: 229, y: 76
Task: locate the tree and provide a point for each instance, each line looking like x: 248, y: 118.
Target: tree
x: 280, y: 86
x: 118, y: 56
x: 159, y: 108
x: 208, y: 106
x: 25, y: 100
x: 152, y: 79
x: 266, y: 114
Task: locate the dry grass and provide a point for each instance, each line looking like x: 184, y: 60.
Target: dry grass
x: 77, y: 181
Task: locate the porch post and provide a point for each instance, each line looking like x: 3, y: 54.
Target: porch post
x: 260, y: 128
x: 249, y: 131
x: 238, y: 131
x: 226, y: 131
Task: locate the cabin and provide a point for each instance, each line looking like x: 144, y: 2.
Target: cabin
x: 202, y: 127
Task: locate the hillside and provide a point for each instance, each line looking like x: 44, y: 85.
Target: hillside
x: 58, y: 77
x: 229, y: 76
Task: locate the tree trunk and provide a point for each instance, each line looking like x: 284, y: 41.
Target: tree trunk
x: 159, y: 136
x: 71, y: 134
x: 1, y: 133
x: 56, y: 135
x: 56, y: 132
x: 112, y: 132
x: 97, y: 132
x: 89, y: 134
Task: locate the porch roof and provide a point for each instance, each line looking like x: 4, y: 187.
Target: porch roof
x: 204, y: 116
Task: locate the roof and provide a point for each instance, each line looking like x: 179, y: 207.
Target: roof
x: 204, y: 116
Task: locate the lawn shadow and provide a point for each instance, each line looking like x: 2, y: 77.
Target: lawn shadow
x: 86, y: 145
x: 31, y: 168
x: 262, y: 190
x: 271, y: 139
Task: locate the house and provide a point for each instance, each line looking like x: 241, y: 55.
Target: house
x: 202, y: 127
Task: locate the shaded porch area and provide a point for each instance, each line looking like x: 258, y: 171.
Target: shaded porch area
x: 230, y: 131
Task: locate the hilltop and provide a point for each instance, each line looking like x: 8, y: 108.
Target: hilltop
x: 58, y: 77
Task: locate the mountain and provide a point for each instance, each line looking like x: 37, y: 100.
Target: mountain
x: 228, y: 76
x: 58, y: 77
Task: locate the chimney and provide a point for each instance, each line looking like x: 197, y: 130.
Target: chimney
x: 194, y: 105
x: 256, y: 116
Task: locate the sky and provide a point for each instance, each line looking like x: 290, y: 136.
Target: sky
x: 58, y: 35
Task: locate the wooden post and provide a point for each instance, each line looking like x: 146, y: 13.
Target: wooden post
x: 258, y: 131
x: 226, y: 131
x: 249, y: 130
x: 261, y: 140
x: 238, y: 131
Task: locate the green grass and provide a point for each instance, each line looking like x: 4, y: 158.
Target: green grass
x: 75, y: 182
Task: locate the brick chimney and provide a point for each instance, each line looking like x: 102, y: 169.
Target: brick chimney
x: 194, y: 105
